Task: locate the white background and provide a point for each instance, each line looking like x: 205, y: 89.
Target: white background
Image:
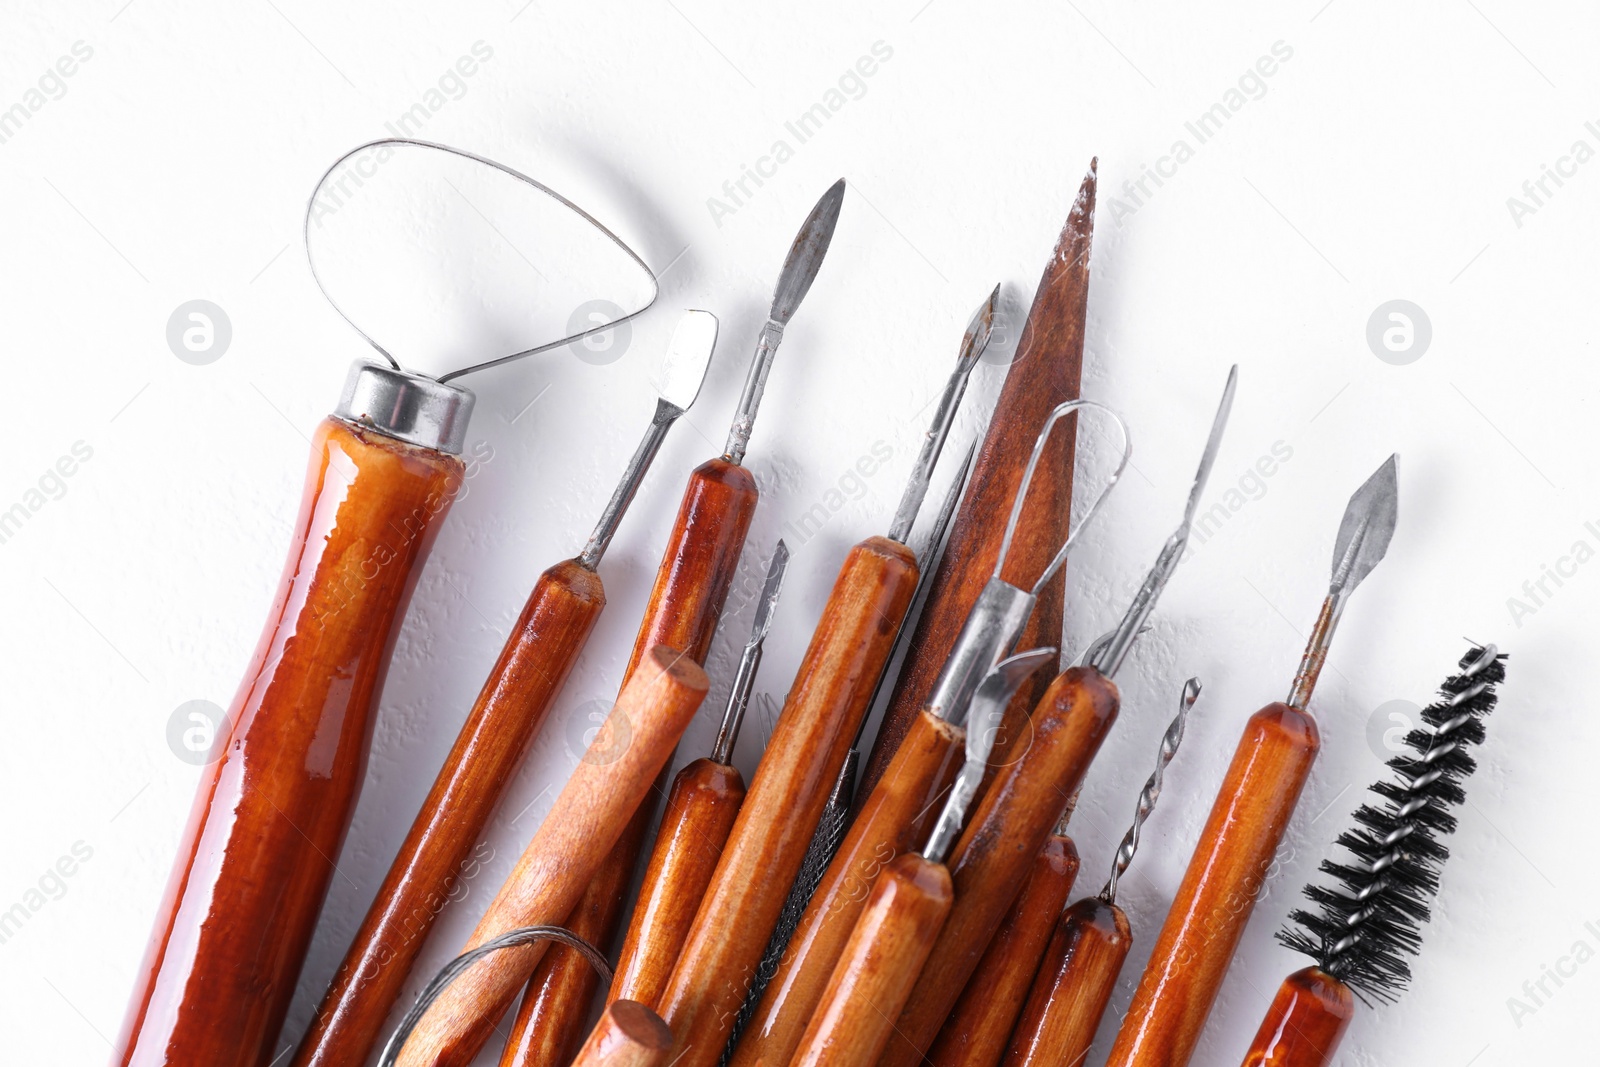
x: 1377, y: 165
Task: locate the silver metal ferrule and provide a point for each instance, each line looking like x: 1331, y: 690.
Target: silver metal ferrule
x: 988, y: 636
x: 407, y: 407
x: 666, y: 414
x: 755, y: 383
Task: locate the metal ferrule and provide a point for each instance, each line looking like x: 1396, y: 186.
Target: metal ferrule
x: 755, y: 383
x: 988, y: 636
x: 1317, y: 646
x: 604, y: 530
x: 407, y: 407
x: 944, y: 832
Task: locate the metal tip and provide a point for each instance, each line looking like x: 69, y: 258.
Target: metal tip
x: 1152, y: 788
x: 769, y: 594
x: 1219, y: 423
x: 683, y: 369
x: 1367, y: 527
x: 806, y: 254
x: 994, y: 693
x: 979, y: 329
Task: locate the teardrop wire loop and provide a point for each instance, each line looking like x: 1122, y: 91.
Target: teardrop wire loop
x: 1060, y: 412
x: 305, y: 234
x: 521, y: 935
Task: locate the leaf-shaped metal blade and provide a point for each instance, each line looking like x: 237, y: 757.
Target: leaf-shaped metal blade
x: 683, y: 368
x: 1367, y: 527
x: 806, y: 254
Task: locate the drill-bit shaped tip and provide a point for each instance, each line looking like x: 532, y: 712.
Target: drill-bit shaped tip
x: 1367, y: 527
x: 744, y: 678
x: 1152, y: 788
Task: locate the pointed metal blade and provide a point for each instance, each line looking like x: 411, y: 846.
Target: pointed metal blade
x: 806, y: 254
x: 688, y: 356
x: 979, y: 329
x: 1367, y: 527
x: 769, y: 595
x: 994, y: 693
x: 1219, y: 422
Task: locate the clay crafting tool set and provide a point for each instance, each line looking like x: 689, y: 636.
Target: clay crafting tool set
x: 804, y: 920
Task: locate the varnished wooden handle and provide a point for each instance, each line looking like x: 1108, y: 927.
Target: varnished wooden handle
x: 700, y: 810
x: 532, y: 668
x: 1044, y: 372
x: 886, y: 950
x: 1218, y: 891
x: 976, y: 1033
x: 271, y: 812
x: 627, y: 1035
x: 1303, y: 1026
x: 1072, y: 988
x: 991, y: 860
x: 606, y: 787
x: 815, y: 730
x: 697, y: 568
x: 894, y: 820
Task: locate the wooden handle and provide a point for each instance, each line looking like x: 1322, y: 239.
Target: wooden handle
x: 701, y: 807
x: 815, y: 730
x: 697, y: 568
x: 1218, y: 890
x: 271, y: 812
x: 606, y: 787
x: 885, y: 952
x: 627, y: 1035
x: 1075, y: 981
x: 992, y: 858
x: 1308, y: 1016
x: 532, y: 668
x: 976, y: 1033
x: 1044, y: 372
x: 894, y: 819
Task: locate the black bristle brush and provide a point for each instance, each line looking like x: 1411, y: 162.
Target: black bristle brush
x: 1364, y: 928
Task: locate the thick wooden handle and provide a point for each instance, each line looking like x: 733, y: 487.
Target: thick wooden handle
x: 533, y: 667
x: 1075, y: 981
x: 606, y: 787
x: 627, y: 1035
x: 894, y: 819
x: 808, y: 746
x: 1218, y: 891
x: 1303, y: 1026
x: 886, y: 950
x: 976, y: 1033
x: 1044, y: 372
x: 701, y: 807
x: 992, y: 858
x: 270, y: 814
x: 697, y: 568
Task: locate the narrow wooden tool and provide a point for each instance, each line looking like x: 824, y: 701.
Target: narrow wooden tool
x: 1365, y: 927
x: 1029, y: 792
x: 1044, y: 372
x: 980, y: 1024
x: 1247, y: 822
x: 532, y: 668
x: 271, y: 810
x: 814, y: 733
x: 908, y: 906
x: 609, y: 783
x: 1078, y: 973
x: 891, y: 820
x: 690, y: 588
x: 628, y: 1035
x: 701, y: 808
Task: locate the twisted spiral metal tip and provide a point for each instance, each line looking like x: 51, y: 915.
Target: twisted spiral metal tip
x: 1152, y: 788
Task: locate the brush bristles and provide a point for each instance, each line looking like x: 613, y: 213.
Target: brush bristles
x: 1367, y: 926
